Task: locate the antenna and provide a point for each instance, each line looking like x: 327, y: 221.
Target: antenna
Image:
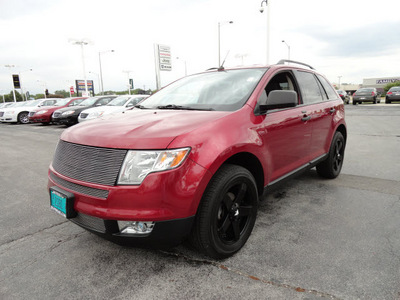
x: 221, y: 68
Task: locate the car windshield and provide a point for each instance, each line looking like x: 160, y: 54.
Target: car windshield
x: 32, y: 103
x: 395, y: 89
x: 61, y: 102
x: 119, y: 101
x: 76, y: 102
x: 88, y: 101
x: 223, y: 91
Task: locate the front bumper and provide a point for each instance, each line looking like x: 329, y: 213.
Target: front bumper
x: 11, y: 118
x: 40, y: 119
x: 169, y: 198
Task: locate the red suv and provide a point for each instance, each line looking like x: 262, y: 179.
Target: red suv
x: 193, y: 160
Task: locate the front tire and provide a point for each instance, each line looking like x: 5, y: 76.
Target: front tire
x: 332, y: 165
x: 227, y: 212
x: 23, y: 118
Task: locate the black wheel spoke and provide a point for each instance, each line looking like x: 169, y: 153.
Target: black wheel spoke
x: 241, y: 194
x: 236, y: 229
x: 225, y: 225
x: 245, y: 211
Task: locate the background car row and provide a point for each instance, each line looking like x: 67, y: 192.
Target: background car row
x: 66, y: 111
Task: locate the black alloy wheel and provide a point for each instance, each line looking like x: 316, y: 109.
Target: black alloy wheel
x: 227, y: 213
x: 331, y: 167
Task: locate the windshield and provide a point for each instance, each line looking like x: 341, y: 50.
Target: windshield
x: 88, y: 101
x: 119, y: 101
x: 32, y: 103
x: 365, y: 90
x: 76, y: 102
x: 223, y: 91
x: 61, y: 102
x: 395, y: 89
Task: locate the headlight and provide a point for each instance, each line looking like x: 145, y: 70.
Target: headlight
x: 41, y: 112
x: 138, y: 164
x: 67, y: 113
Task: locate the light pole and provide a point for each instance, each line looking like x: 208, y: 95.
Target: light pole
x: 101, y: 73
x: 12, y: 66
x: 283, y: 41
x: 219, y: 40
x: 82, y: 43
x: 98, y: 78
x: 339, y: 82
x: 268, y: 17
x: 20, y: 84
x: 185, y: 66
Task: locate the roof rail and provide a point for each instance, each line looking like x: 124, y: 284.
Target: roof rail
x: 282, y: 62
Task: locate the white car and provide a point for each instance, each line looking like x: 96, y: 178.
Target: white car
x: 118, y: 104
x: 18, y: 113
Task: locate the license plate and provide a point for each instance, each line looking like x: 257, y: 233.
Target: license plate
x: 62, y: 202
x: 362, y: 98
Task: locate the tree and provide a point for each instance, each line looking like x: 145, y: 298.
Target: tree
x: 63, y: 93
x: 389, y: 85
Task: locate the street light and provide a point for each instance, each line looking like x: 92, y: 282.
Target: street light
x: 283, y: 41
x: 101, y: 73
x: 82, y: 43
x: 339, y: 82
x: 219, y: 40
x: 20, y: 84
x: 98, y: 78
x: 268, y: 17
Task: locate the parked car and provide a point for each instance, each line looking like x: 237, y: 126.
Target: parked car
x: 345, y: 97
x: 393, y: 94
x: 43, y: 115
x: 69, y: 115
x: 193, y: 160
x: 118, y: 104
x: 366, y: 95
x: 19, y: 113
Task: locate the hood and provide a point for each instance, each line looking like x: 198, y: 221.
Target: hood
x: 104, y: 108
x: 139, y: 129
x: 77, y: 108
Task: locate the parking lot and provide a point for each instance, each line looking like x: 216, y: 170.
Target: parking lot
x: 313, y: 239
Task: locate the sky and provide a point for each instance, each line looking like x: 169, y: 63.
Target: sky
x: 346, y: 40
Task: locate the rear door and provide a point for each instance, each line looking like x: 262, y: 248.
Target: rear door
x: 321, y: 105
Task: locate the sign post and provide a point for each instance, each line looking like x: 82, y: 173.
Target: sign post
x: 162, y: 55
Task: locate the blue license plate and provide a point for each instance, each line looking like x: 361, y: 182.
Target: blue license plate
x: 58, y: 203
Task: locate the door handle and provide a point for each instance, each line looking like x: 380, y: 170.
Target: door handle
x: 305, y: 118
x: 332, y: 110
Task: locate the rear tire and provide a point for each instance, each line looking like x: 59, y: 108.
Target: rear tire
x: 332, y: 165
x: 227, y: 212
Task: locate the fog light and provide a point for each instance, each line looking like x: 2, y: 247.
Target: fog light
x: 134, y: 227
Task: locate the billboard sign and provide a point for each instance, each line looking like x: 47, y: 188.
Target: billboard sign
x: 80, y: 87
x: 164, y: 58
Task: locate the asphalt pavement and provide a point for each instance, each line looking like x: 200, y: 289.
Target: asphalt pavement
x: 313, y: 239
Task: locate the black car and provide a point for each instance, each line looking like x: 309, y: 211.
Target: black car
x: 393, y: 94
x: 69, y: 115
x: 366, y: 95
x: 344, y: 96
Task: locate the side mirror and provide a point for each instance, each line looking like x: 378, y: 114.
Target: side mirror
x: 280, y: 99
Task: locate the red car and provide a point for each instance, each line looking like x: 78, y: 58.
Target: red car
x: 193, y: 160
x: 43, y: 114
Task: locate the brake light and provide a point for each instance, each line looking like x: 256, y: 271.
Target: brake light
x: 389, y: 93
x: 373, y: 94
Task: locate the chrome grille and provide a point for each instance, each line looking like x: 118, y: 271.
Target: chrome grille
x: 84, y: 115
x: 56, y: 115
x: 31, y: 113
x: 1, y: 113
x: 103, y: 194
x: 89, y: 164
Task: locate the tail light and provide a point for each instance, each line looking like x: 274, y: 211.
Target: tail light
x: 389, y: 93
x: 373, y: 94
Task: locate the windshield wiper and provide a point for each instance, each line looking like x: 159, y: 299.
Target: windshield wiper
x: 140, y: 106
x: 181, y: 107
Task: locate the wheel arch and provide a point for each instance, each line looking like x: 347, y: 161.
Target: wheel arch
x: 252, y: 164
x: 342, y: 129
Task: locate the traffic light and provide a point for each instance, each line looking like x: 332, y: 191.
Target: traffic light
x: 47, y: 92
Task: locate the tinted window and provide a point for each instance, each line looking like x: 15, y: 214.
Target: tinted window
x: 328, y: 88
x: 309, y: 87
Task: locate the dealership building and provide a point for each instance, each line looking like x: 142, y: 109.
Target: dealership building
x: 378, y: 83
